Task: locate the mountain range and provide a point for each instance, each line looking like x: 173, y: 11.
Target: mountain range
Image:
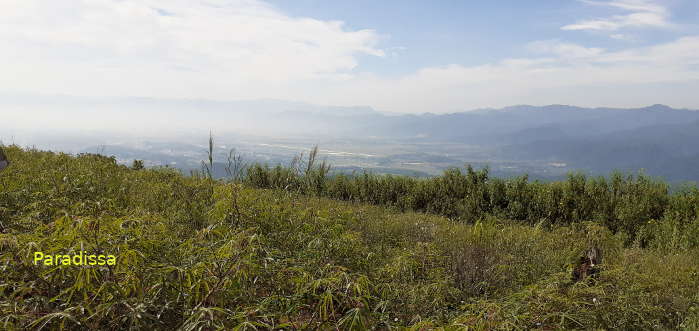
x: 547, y: 141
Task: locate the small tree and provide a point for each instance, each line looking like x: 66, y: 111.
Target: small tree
x: 235, y: 169
x: 137, y: 165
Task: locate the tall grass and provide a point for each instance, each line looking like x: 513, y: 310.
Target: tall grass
x: 196, y: 253
x: 622, y: 203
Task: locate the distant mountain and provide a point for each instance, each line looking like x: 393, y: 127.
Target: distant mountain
x: 543, y: 140
x: 668, y: 150
x: 492, y: 126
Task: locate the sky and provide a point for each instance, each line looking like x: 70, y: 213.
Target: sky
x: 403, y: 56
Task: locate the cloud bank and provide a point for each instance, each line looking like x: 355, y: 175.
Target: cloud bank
x: 247, y: 49
x: 210, y: 44
x: 640, y: 13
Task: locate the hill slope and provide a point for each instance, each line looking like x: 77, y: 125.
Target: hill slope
x: 192, y: 253
x: 542, y: 141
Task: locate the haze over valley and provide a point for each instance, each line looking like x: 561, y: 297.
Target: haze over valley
x: 349, y: 165
x: 545, y: 142
x: 433, y: 87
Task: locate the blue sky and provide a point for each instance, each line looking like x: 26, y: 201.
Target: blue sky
x: 399, y: 56
x: 435, y: 33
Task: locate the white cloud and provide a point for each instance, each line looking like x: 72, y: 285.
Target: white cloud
x: 624, y: 37
x: 245, y: 49
x: 246, y: 39
x: 632, y: 5
x: 564, y: 50
x: 561, y: 73
x: 643, y: 13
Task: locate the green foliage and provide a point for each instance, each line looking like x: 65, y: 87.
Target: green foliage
x: 137, y: 165
x: 194, y: 253
x: 623, y: 203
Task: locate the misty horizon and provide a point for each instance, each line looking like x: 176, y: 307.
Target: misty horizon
x: 617, y: 53
x: 349, y: 165
x: 435, y: 86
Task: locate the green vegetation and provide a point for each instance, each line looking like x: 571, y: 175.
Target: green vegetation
x: 197, y: 253
x: 622, y: 203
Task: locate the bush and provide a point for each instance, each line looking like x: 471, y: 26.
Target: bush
x: 622, y: 203
x: 196, y: 253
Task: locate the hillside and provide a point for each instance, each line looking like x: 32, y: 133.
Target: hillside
x: 458, y: 251
x: 544, y: 142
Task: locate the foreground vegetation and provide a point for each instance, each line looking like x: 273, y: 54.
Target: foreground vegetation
x: 622, y: 203
x: 196, y: 253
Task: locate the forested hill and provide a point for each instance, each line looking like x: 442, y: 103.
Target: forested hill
x: 196, y: 253
x: 659, y: 139
x: 514, y: 140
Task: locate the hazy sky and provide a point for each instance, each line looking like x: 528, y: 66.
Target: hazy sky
x: 399, y: 56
